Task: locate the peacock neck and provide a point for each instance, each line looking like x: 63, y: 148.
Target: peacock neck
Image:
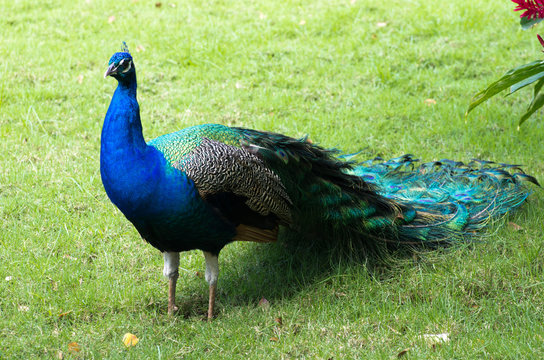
x: 125, y: 158
x: 122, y: 126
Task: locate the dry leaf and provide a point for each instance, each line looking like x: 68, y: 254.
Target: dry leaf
x: 402, y: 353
x: 111, y: 19
x: 265, y: 304
x: 515, y: 226
x: 60, y: 355
x: 273, y: 338
x: 430, y: 102
x: 74, y: 347
x: 302, y: 22
x: 158, y: 4
x: 130, y: 340
x: 279, y: 320
x: 61, y: 315
x: 381, y: 24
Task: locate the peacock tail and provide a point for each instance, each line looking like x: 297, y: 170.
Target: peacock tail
x: 375, y: 203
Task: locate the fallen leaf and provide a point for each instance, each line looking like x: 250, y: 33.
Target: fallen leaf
x: 265, y: 304
x: 402, y: 353
x: 198, y: 274
x: 130, y: 340
x: 279, y: 320
x: 74, y: 347
x: 60, y: 355
x: 61, y: 315
x: 381, y: 24
x: 111, y: 19
x: 158, y: 4
x: 273, y: 338
x: 515, y: 226
x: 8, y: 278
x: 430, y: 102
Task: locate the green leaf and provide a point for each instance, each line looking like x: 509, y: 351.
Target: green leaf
x: 526, y: 23
x: 512, y: 77
x: 525, y: 82
x: 537, y: 103
x: 538, y: 86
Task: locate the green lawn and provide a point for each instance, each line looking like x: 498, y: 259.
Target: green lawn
x: 387, y: 78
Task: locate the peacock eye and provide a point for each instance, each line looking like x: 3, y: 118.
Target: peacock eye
x: 126, y: 65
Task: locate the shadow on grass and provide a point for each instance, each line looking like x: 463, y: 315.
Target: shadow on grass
x: 276, y: 272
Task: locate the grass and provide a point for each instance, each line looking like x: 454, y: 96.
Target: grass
x: 73, y: 270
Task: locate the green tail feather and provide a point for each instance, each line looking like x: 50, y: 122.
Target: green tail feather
x: 378, y: 203
x: 451, y: 200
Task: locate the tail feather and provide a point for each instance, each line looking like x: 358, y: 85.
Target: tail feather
x: 452, y: 200
x: 377, y: 203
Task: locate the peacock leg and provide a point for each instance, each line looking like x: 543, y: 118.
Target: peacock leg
x: 171, y: 265
x: 212, y: 273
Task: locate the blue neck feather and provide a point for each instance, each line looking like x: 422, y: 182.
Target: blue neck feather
x: 133, y: 172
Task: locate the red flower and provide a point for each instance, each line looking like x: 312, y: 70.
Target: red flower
x: 534, y: 9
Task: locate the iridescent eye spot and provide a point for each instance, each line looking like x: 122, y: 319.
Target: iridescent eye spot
x: 282, y: 155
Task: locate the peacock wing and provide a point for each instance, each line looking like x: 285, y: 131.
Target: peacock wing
x: 238, y: 183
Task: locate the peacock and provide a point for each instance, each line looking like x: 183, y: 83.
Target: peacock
x: 207, y: 185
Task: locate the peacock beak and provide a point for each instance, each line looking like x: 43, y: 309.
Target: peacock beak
x: 112, y: 69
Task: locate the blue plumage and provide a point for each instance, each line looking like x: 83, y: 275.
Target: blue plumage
x: 207, y: 185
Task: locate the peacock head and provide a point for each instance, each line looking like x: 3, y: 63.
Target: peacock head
x: 120, y: 65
